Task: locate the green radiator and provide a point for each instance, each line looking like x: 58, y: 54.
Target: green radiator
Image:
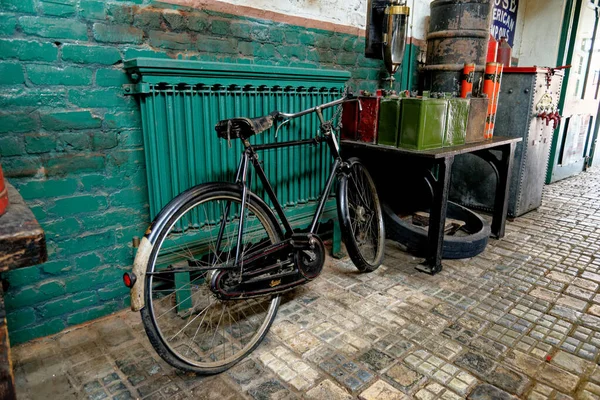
x: 181, y: 101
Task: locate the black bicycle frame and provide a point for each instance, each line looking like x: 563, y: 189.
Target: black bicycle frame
x: 250, y: 155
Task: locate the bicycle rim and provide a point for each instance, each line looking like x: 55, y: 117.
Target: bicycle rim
x: 204, y: 333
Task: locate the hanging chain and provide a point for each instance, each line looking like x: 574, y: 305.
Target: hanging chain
x: 338, y: 112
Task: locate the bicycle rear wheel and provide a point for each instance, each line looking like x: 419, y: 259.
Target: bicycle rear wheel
x: 187, y: 324
x: 361, y: 218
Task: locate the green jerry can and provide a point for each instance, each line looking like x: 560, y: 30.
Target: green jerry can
x: 423, y: 123
x: 457, y: 119
x: 389, y: 121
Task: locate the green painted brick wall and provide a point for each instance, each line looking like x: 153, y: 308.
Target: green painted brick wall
x: 70, y: 140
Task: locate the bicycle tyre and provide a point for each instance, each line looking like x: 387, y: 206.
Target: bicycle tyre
x: 361, y: 217
x: 170, y: 221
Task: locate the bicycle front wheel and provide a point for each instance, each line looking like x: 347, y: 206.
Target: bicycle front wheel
x: 361, y: 219
x: 187, y: 324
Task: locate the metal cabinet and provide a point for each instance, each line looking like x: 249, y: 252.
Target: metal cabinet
x: 527, y: 108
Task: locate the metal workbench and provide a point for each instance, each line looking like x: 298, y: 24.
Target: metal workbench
x: 498, y: 152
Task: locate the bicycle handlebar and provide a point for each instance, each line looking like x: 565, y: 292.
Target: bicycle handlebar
x: 345, y: 99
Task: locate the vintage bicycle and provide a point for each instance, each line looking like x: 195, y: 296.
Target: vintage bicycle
x: 211, y: 268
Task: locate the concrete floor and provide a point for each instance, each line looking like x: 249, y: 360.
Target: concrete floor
x: 521, y: 319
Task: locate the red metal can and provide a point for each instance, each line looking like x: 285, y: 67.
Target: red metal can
x: 466, y: 83
x: 3, y: 193
x: 368, y: 123
x: 492, y: 50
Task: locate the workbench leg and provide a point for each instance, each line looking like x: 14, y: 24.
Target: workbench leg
x: 437, y: 218
x: 504, y: 167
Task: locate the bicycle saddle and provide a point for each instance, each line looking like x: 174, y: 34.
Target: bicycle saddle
x: 243, y: 128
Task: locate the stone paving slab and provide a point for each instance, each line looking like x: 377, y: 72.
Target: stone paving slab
x: 521, y: 320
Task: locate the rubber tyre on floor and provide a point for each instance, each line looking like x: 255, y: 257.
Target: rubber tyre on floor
x: 454, y: 247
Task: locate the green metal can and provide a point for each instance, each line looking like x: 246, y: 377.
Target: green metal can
x: 389, y: 121
x: 457, y: 118
x: 423, y: 123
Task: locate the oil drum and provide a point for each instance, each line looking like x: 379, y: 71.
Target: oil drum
x: 458, y: 35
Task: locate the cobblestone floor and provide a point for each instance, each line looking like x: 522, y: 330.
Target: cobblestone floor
x: 521, y: 320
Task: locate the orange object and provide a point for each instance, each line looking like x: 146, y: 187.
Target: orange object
x: 504, y: 52
x: 3, y: 193
x: 492, y: 50
x: 466, y: 84
x: 491, y: 87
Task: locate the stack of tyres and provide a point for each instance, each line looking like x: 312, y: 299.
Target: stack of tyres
x: 423, y: 123
x: 389, y: 121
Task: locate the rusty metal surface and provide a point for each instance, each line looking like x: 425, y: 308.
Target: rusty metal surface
x: 458, y: 34
x: 22, y: 240
x: 476, y: 124
x: 368, y: 123
x: 474, y: 180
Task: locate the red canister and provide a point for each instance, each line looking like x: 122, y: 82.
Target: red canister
x: 3, y: 193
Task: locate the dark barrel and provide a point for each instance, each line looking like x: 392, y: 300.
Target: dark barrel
x: 458, y: 34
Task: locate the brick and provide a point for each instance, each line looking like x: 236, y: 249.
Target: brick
x: 48, y: 188
x: 104, y: 140
x: 91, y: 313
x: 38, y: 212
x: 148, y: 18
x: 18, y: 167
x: 241, y: 30
x: 90, y: 54
x: 111, y: 77
x: 196, y: 22
x: 59, y: 8
x: 112, y: 291
x: 126, y: 119
x: 100, y: 98
x: 59, y: 121
x: 36, y: 143
x: 78, y: 204
x: 220, y: 27
x: 97, y: 181
x: 68, y: 304
x: 21, y: 319
x: 171, y: 40
x: 276, y: 35
x: 11, y: 74
x: 119, y: 13
x: 55, y: 28
x: 61, y: 229
x: 45, y: 329
x: 127, y: 158
x: 117, y: 33
x: 132, y: 138
x: 24, y: 6
x: 49, y: 75
x: 112, y: 218
x: 74, y: 140
x: 57, y: 267
x: 137, y: 52
x: 32, y: 98
x: 88, y: 261
x: 11, y: 146
x: 8, y: 24
x: 86, y: 280
x: 92, y: 9
x: 77, y: 163
x: 23, y: 276
x: 177, y: 21
x: 128, y: 197
x: 296, y: 51
x: 346, y: 58
x: 225, y: 46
